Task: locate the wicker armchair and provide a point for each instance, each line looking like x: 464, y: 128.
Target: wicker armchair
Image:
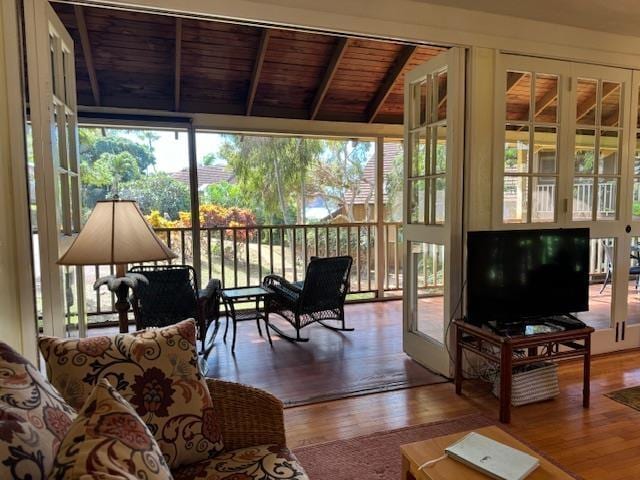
x: 248, y: 416
x: 319, y: 298
x: 172, y: 295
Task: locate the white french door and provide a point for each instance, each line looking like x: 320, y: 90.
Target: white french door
x: 53, y: 114
x: 434, y: 146
x: 565, y: 138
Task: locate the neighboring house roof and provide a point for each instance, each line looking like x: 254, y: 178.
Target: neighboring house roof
x: 207, y: 175
x: 364, y: 193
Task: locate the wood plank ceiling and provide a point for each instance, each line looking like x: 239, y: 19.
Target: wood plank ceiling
x: 140, y: 60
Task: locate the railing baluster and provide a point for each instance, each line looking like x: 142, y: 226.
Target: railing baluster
x: 395, y: 257
x: 168, y: 232
x: 259, y: 255
x: 338, y: 241
x: 282, y: 252
x: 224, y: 283
x: 315, y: 252
x: 271, y: 251
x: 246, y: 244
x: 304, y: 248
x: 326, y: 242
x: 182, y: 247
x: 209, y: 256
x: 235, y: 258
x: 293, y: 253
x: 359, y: 268
x: 369, y: 257
x: 98, y: 298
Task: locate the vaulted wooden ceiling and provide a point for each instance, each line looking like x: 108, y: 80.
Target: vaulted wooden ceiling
x: 141, y: 60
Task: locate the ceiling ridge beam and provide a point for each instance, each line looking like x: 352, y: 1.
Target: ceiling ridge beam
x: 87, y: 53
x: 178, y: 64
x: 392, y: 75
x: 257, y: 69
x: 338, y: 52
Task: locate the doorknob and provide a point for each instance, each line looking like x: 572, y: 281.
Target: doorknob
x: 627, y: 229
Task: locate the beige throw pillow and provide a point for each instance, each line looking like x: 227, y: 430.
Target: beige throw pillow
x: 155, y: 370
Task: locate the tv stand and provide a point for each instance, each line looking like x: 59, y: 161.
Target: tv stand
x: 576, y: 343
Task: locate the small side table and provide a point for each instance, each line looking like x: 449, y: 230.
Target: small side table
x: 416, y: 454
x: 576, y: 343
x: 232, y: 296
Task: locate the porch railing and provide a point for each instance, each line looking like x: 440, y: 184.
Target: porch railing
x: 242, y: 255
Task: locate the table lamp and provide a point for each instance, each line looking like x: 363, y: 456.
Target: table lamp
x: 117, y: 233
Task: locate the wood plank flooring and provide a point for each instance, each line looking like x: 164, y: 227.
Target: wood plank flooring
x: 331, y: 365
x: 600, y: 443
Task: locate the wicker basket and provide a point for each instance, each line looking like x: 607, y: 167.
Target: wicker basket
x: 537, y: 383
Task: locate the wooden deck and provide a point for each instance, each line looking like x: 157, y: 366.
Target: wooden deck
x: 331, y: 365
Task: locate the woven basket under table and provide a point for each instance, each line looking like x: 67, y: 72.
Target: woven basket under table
x: 539, y: 382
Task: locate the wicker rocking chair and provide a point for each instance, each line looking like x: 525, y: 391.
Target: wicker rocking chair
x: 318, y: 299
x: 172, y: 295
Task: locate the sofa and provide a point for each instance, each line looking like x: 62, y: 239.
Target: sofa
x: 102, y: 397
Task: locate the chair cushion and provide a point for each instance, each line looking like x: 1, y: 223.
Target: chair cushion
x: 109, y: 440
x: 265, y: 462
x: 33, y: 418
x: 156, y: 370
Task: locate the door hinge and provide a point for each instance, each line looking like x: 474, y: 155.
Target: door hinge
x: 565, y: 205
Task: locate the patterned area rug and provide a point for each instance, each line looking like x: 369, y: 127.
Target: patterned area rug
x: 377, y: 456
x: 627, y: 396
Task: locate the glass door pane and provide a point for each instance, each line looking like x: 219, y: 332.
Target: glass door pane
x: 427, y: 262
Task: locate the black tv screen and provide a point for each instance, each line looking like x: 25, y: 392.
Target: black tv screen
x: 519, y: 274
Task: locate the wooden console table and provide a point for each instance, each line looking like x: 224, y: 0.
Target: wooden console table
x: 501, y: 351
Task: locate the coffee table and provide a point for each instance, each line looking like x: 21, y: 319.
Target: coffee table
x: 232, y: 296
x: 416, y: 454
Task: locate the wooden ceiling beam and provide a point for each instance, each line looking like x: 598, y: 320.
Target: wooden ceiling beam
x: 392, y: 75
x: 546, y: 100
x: 178, y: 64
x: 87, y: 53
x: 513, y: 78
x: 590, y: 102
x: 332, y: 68
x: 257, y: 69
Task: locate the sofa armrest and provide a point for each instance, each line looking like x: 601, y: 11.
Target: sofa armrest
x: 247, y: 416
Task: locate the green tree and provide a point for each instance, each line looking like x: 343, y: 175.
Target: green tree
x: 338, y: 176
x: 116, y: 144
x: 225, y: 194
x: 272, y: 171
x: 209, y: 159
x: 158, y: 191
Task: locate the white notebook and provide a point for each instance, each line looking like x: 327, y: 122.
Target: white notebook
x: 492, y: 458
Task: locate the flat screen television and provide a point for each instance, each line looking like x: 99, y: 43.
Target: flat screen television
x: 516, y: 275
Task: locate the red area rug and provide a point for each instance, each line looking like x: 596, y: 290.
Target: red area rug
x: 377, y: 456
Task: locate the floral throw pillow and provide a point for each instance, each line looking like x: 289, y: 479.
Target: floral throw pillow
x: 156, y: 370
x: 33, y: 418
x: 109, y: 440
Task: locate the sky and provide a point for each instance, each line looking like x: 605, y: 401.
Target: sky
x: 172, y: 154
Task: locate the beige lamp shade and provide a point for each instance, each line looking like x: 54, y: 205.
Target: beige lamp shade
x: 116, y: 233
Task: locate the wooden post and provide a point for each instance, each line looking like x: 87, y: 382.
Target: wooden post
x: 586, y: 379
x: 506, y: 358
x: 380, y: 245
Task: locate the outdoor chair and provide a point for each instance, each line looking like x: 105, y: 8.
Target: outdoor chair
x: 608, y: 254
x: 320, y: 298
x: 172, y: 295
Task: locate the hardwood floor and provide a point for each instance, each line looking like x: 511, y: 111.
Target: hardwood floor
x: 331, y: 365
x: 600, y: 443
